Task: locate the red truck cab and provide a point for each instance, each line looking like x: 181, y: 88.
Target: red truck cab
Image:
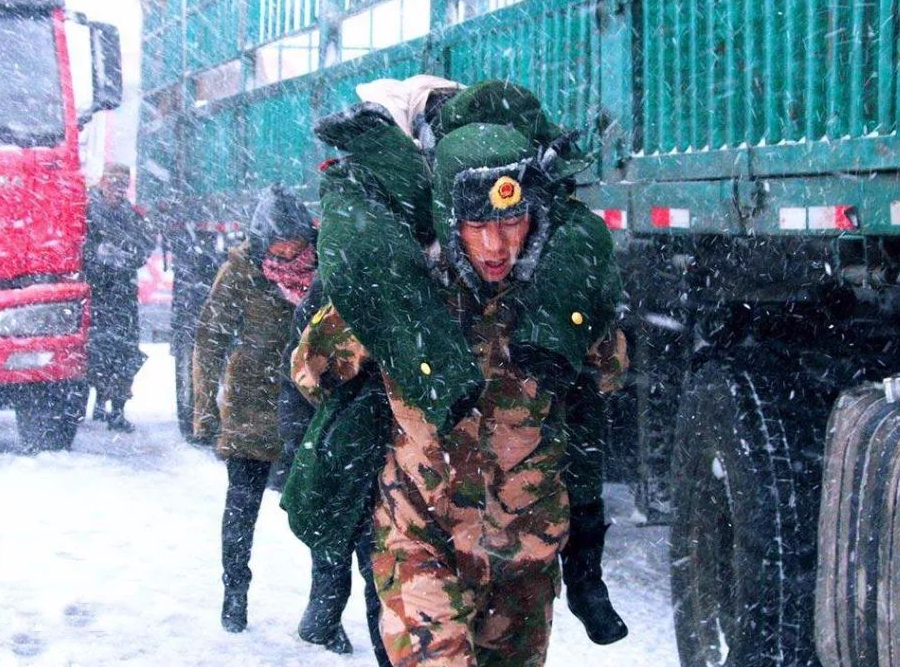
x: 45, y: 100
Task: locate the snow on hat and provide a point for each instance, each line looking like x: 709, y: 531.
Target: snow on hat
x: 279, y: 216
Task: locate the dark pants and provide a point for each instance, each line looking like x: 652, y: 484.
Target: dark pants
x: 114, y: 355
x: 246, y: 484
x: 373, y: 603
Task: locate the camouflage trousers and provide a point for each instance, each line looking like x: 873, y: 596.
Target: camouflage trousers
x: 434, y: 616
x: 431, y: 618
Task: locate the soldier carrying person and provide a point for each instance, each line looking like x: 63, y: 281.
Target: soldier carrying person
x: 477, y: 351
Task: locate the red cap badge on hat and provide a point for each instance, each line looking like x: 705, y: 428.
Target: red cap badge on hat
x: 506, y: 193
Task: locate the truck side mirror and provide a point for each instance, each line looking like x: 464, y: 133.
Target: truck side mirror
x: 106, y: 52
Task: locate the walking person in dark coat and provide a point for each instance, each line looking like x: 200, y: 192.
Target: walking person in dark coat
x: 118, y: 244
x: 243, y: 328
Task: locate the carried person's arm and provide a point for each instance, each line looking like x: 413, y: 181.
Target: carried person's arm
x: 328, y: 355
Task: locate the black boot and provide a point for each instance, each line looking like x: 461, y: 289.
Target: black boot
x: 586, y: 593
x: 328, y: 595
x: 234, y: 611
x: 116, y: 421
x: 246, y: 484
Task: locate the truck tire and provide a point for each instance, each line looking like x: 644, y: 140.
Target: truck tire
x: 747, y: 460
x: 889, y: 567
x: 184, y: 390
x: 855, y: 525
x: 47, y: 415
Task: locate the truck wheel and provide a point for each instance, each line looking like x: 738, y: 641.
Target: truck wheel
x: 856, y: 522
x: 47, y: 415
x: 747, y: 461
x: 184, y: 390
x: 888, y: 625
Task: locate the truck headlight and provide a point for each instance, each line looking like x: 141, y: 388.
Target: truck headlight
x: 41, y: 319
x: 26, y: 361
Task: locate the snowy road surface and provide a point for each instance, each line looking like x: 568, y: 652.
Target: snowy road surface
x: 109, y: 555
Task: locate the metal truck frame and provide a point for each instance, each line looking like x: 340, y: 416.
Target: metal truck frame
x: 748, y: 164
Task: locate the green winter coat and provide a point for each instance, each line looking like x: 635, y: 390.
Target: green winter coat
x: 377, y: 211
x: 374, y: 271
x: 364, y: 250
x: 242, y: 331
x: 330, y: 485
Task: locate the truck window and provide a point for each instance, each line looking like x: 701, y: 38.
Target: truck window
x: 286, y: 58
x: 469, y: 9
x: 31, y: 101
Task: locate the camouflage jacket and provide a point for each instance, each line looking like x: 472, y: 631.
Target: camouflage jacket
x: 492, y: 486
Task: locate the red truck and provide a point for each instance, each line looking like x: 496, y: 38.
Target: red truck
x: 56, y: 71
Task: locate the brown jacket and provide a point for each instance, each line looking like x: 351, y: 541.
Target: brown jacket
x: 243, y: 329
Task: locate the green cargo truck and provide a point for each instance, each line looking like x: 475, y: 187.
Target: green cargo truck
x: 749, y: 167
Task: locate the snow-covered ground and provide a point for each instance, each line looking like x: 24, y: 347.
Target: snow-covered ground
x: 109, y: 555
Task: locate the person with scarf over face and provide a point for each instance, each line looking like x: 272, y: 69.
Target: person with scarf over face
x: 242, y: 330
x: 473, y: 512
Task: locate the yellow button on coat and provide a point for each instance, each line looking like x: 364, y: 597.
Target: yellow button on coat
x: 577, y: 319
x: 425, y: 368
x: 320, y: 315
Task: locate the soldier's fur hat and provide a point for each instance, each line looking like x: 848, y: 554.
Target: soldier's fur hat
x: 483, y: 172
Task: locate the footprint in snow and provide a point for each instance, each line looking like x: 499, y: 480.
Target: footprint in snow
x: 27, y: 645
x: 79, y: 614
